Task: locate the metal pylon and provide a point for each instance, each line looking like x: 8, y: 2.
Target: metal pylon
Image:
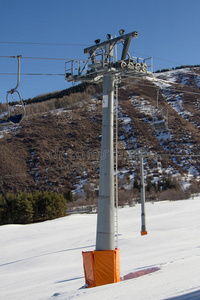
x: 102, y: 66
x: 105, y: 239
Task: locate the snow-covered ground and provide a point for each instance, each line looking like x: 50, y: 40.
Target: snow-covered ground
x: 44, y: 261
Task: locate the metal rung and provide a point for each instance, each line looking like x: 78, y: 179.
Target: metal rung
x: 115, y: 140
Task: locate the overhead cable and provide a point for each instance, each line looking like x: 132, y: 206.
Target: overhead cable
x: 45, y: 58
x: 34, y: 74
x: 48, y: 44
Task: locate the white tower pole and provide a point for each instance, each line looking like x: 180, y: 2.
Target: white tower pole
x: 143, y: 214
x: 105, y: 239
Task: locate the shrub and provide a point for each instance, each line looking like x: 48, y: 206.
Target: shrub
x: 173, y: 194
x: 127, y: 197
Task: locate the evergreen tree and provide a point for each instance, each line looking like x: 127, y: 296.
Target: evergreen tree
x: 24, y: 208
x: 59, y: 205
x: 149, y: 185
x: 3, y: 215
x: 169, y: 183
x: 10, y: 208
x: 69, y: 196
x: 136, y: 184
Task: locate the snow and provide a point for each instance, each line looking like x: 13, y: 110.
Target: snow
x: 164, y: 136
x: 162, y: 83
x: 168, y: 81
x: 79, y: 187
x: 44, y: 261
x: 172, y: 75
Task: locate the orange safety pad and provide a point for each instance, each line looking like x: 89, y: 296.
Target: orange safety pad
x: 144, y: 232
x: 107, y: 266
x: 101, y: 267
x: 88, y: 264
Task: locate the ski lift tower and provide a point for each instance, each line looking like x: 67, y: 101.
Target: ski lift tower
x: 102, y: 265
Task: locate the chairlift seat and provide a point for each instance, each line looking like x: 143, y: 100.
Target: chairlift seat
x: 11, y: 121
x: 161, y: 126
x: 3, y: 122
x: 16, y: 118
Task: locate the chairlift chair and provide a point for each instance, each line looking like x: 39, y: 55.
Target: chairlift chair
x: 15, y: 107
x: 160, y: 120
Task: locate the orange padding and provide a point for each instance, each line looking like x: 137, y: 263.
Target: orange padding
x: 101, y: 267
x: 144, y: 232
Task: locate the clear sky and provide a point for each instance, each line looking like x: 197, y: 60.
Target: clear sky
x: 168, y: 30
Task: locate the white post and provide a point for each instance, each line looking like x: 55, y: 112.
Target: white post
x: 143, y: 215
x: 157, y: 96
x: 105, y: 239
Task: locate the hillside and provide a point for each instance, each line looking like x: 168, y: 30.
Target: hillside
x: 59, y: 149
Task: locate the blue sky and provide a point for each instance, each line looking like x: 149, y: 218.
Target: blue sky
x: 168, y: 30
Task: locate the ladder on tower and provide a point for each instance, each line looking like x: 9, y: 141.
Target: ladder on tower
x: 115, y: 142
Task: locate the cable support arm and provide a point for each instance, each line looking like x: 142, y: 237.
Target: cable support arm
x: 121, y: 38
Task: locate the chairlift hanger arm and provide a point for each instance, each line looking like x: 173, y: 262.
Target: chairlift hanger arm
x: 13, y: 119
x: 122, y: 38
x: 18, y: 75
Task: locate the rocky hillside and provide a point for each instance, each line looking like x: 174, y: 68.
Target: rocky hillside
x: 60, y: 149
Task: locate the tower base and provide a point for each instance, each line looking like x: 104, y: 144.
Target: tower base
x: 144, y: 232
x: 101, y: 267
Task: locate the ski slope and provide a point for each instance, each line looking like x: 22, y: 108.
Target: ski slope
x: 44, y: 261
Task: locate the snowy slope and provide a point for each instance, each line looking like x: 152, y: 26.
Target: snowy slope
x: 171, y: 82
x: 43, y: 260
